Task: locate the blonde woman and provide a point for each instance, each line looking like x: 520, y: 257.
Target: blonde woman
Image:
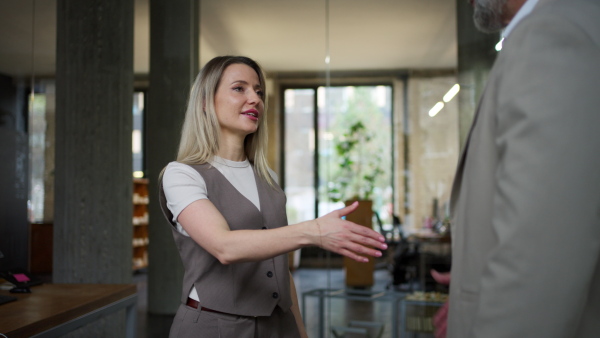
x: 228, y: 214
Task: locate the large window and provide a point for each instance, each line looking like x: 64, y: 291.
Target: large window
x: 137, y: 135
x: 41, y: 148
x: 318, y: 121
x: 38, y: 145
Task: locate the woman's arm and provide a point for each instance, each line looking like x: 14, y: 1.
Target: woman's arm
x: 205, y: 224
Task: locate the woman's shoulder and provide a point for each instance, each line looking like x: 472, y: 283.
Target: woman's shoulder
x: 177, y: 167
x: 180, y: 170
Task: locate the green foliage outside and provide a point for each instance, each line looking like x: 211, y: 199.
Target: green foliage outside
x: 361, y: 150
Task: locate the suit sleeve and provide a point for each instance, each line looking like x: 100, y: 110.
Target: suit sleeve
x: 546, y: 213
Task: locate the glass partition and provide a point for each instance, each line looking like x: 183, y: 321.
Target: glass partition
x: 400, y: 144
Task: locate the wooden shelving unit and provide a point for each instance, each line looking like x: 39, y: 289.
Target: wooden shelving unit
x: 140, y: 223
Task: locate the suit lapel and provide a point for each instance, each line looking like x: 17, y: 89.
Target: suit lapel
x: 463, y: 156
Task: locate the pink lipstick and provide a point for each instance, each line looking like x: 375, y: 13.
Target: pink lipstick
x: 252, y: 114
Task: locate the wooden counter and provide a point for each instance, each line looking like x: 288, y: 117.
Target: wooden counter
x: 51, y: 310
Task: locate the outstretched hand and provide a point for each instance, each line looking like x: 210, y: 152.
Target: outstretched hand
x: 346, y: 238
x: 440, y: 319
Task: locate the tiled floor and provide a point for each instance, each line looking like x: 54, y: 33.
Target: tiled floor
x: 338, y: 312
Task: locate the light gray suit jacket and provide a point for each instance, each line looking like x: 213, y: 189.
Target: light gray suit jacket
x: 526, y: 196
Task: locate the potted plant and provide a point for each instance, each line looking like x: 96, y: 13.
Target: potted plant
x: 355, y: 177
x: 359, y: 165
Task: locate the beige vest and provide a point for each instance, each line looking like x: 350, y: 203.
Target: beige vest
x: 246, y: 289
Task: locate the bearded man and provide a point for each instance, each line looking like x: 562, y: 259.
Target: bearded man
x: 526, y: 195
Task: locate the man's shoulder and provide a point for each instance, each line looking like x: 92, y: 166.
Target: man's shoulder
x: 559, y: 22
x: 584, y: 13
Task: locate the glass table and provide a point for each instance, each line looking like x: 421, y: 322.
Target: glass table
x: 393, y: 297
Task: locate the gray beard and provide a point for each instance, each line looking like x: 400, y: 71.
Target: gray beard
x: 488, y: 16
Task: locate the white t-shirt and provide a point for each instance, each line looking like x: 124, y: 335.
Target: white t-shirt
x: 183, y: 185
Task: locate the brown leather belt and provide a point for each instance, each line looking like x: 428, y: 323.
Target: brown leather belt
x: 195, y: 304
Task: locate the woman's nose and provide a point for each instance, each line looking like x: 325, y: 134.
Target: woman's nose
x: 254, y: 97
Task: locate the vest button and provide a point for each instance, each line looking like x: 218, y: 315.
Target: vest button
x: 269, y: 274
x: 264, y: 228
x: 275, y: 295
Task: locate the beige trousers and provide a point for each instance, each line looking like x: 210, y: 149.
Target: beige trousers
x: 190, y: 322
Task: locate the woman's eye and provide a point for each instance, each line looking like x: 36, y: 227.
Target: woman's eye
x: 238, y: 89
x: 259, y: 93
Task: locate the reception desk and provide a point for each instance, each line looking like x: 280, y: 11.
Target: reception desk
x: 52, y: 310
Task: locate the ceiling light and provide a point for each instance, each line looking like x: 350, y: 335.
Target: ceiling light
x: 436, y: 109
x: 451, y: 93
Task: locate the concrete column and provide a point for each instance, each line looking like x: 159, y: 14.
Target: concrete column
x: 174, y: 59
x: 476, y: 55
x: 93, y: 177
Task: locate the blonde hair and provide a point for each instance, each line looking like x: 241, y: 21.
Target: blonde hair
x: 200, y: 133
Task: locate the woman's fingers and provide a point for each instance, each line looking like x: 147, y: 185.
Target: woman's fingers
x: 367, y: 241
x: 346, y: 210
x: 363, y: 235
x: 357, y: 243
x: 355, y: 246
x: 358, y: 252
x: 363, y: 250
x: 366, y: 232
x: 353, y: 255
x: 349, y: 239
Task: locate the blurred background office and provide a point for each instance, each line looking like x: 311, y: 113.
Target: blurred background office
x: 92, y: 97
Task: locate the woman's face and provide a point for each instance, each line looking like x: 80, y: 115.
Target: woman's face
x: 238, y: 101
